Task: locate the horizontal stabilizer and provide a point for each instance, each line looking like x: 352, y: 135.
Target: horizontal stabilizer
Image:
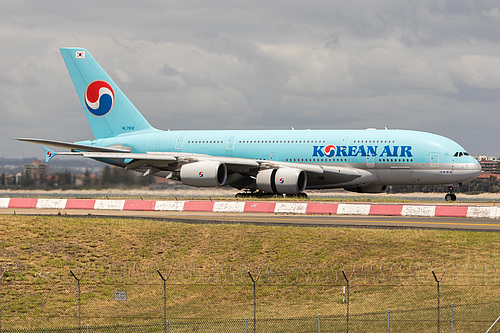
x: 49, y: 153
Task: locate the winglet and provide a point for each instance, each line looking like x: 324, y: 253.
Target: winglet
x: 49, y: 153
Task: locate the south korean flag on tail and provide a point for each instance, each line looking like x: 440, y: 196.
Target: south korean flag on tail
x: 80, y: 54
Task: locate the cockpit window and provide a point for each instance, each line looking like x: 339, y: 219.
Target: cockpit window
x: 461, y: 153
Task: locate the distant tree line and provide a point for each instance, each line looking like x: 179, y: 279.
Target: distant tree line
x: 490, y: 185
x: 118, y: 176
x: 110, y: 177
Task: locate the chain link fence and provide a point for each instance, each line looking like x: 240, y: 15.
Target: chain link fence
x: 262, y: 298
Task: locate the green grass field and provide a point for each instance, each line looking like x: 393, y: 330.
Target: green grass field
x: 38, y: 291
x: 44, y: 240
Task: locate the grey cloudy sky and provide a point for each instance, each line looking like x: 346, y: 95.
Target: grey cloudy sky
x: 424, y: 65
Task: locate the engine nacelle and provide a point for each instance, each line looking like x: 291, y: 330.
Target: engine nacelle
x: 204, y: 174
x: 369, y: 189
x: 282, y: 180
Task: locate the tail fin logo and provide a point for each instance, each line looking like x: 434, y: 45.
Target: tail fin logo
x: 99, y: 98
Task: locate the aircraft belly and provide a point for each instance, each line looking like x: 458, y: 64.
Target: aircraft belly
x: 332, y: 180
x: 397, y: 176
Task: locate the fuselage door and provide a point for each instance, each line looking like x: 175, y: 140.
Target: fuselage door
x: 179, y: 143
x: 434, y: 162
x: 230, y: 142
x: 273, y: 156
x: 345, y: 140
x: 370, y: 161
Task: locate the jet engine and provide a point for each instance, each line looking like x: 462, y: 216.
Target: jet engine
x: 369, y: 189
x: 282, y: 180
x: 204, y: 174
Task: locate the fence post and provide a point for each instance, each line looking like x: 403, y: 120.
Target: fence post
x: 388, y: 321
x: 165, y: 323
x: 254, y: 300
x: 451, y: 317
x: 1, y: 282
x: 79, y: 299
x: 347, y: 301
x: 438, y: 297
x: 319, y: 323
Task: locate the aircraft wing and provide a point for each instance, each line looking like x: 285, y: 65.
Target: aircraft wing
x: 245, y: 169
x: 155, y: 162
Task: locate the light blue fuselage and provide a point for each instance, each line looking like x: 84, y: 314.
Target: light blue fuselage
x: 391, y: 157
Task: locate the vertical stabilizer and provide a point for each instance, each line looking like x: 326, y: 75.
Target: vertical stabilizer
x: 108, y: 110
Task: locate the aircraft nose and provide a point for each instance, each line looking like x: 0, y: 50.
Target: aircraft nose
x: 474, y: 169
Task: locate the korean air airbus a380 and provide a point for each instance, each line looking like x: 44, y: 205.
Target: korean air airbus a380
x: 259, y: 162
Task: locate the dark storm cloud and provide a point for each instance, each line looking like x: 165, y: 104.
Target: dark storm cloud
x: 426, y: 65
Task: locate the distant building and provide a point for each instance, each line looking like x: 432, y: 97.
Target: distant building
x: 37, y: 171
x: 487, y: 175
x: 489, y: 164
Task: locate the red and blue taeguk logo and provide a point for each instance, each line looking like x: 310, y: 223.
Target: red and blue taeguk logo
x: 330, y: 150
x: 282, y: 180
x: 99, y: 98
x: 200, y: 174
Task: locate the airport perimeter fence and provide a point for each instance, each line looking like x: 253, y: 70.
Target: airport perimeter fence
x: 253, y: 298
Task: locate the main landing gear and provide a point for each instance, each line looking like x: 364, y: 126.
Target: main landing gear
x: 257, y: 194
x: 261, y: 194
x: 297, y: 195
x: 450, y: 196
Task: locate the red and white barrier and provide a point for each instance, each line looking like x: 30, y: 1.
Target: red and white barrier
x: 353, y: 209
x: 109, y: 204
x: 290, y: 207
x: 485, y: 212
x: 386, y: 210
x: 80, y: 204
x: 4, y: 202
x: 418, y: 210
x: 257, y: 207
x: 229, y: 207
x: 169, y: 206
x: 22, y: 203
x: 144, y: 205
x: 51, y: 203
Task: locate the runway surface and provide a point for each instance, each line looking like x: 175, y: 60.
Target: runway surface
x: 450, y: 223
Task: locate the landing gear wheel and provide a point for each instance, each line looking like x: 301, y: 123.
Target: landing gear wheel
x: 297, y: 196
x: 247, y: 194
x: 450, y: 197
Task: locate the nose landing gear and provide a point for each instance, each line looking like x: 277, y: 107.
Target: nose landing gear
x: 450, y: 196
